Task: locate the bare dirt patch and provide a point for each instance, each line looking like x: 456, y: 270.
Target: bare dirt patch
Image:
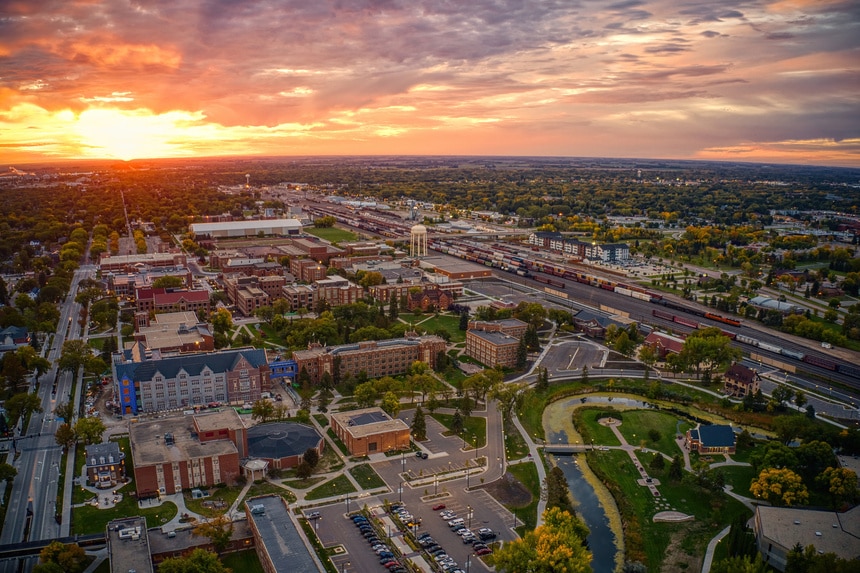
x: 508, y: 491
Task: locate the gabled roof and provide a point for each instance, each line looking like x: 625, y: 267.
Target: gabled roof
x: 741, y: 373
x: 666, y: 341
x: 191, y: 364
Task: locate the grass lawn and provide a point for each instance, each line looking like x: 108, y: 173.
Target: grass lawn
x: 89, y: 519
x: 243, y: 561
x: 586, y: 419
x: 226, y: 494
x: 337, y: 486
x: 321, y: 419
x: 448, y: 323
x: 739, y: 477
x: 515, y: 445
x: 303, y: 483
x: 340, y: 445
x: 744, y: 454
x: 332, y: 234
x: 366, y: 476
x: 97, y: 343
x: 651, y: 542
x: 474, y: 428
x: 103, y: 567
x: 638, y: 423
x: 527, y: 475
x: 266, y: 488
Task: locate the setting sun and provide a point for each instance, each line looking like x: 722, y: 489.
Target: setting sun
x: 132, y: 134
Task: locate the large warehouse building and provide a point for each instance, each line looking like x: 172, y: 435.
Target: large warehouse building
x: 282, y: 227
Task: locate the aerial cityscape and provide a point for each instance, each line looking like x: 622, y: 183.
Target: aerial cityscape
x: 429, y: 287
x: 630, y: 365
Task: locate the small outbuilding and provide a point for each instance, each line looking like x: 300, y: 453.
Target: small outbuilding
x: 713, y: 439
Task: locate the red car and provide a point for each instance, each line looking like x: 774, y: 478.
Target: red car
x: 438, y: 507
x: 484, y: 551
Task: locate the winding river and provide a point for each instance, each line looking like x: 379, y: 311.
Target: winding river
x: 603, y: 541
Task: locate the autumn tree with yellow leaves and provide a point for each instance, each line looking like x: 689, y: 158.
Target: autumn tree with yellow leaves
x: 780, y: 486
x: 557, y: 546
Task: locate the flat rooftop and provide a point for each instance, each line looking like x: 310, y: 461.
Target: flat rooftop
x: 149, y: 445
x: 280, y: 536
x: 368, y: 421
x: 130, y: 552
x: 828, y: 531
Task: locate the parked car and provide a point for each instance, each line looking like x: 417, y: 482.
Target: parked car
x: 483, y: 551
x: 439, y: 506
x: 421, y: 455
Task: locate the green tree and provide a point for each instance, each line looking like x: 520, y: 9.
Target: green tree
x: 706, y: 350
x: 365, y: 395
x: 676, y: 468
x: 419, y: 425
x: 65, y: 436
x: 263, y: 410
x: 740, y: 564
x: 780, y: 486
x: 311, y: 457
x: 390, y: 404
x: 199, y: 561
x: 222, y: 321
x: 74, y: 355
x: 464, y: 321
x: 522, y: 354
x: 70, y: 558
x: 218, y: 530
x: 658, y: 464
x: 90, y: 429
x: 457, y: 422
x: 7, y: 472
x: 841, y: 484
x: 508, y: 396
x: 557, y: 491
x: 556, y: 545
x: 14, y: 373
x: 168, y: 282
x: 304, y: 470
x: 21, y: 405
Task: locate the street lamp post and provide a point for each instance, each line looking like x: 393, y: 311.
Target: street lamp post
x: 468, y: 475
x: 435, y: 485
x: 475, y: 439
x: 400, y: 492
x: 471, y: 511
x: 402, y: 461
x: 344, y: 565
x: 347, y: 503
x: 468, y: 563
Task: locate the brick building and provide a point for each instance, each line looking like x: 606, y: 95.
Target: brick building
x: 235, y: 376
x: 299, y: 296
x: 740, y: 380
x: 173, y: 332
x: 337, y: 291
x: 105, y: 465
x: 133, y: 263
x: 370, y: 431
x: 374, y: 357
x: 307, y: 270
x: 171, y: 300
x: 173, y: 454
x: 432, y: 298
x: 495, y: 342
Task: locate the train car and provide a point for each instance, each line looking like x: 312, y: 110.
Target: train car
x: 770, y: 347
x: 607, y: 286
x: 848, y: 370
x: 723, y: 319
x: 747, y: 340
x: 731, y: 335
x: 641, y: 296
x: 775, y: 363
x: 820, y: 362
x: 663, y: 314
x: 623, y: 290
x: 549, y: 281
x: 792, y: 354
x: 685, y: 321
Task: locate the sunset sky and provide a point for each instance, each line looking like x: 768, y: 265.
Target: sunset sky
x: 749, y: 80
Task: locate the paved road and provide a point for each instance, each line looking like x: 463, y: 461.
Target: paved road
x: 35, y: 487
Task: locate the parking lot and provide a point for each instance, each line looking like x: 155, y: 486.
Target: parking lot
x: 439, y: 479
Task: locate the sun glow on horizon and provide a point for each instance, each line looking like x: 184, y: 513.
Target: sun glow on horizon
x: 135, y: 134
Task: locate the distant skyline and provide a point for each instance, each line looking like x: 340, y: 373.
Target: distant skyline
x: 736, y: 80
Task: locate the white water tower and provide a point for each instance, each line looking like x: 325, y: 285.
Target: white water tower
x: 418, y: 241
x: 247, y: 179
